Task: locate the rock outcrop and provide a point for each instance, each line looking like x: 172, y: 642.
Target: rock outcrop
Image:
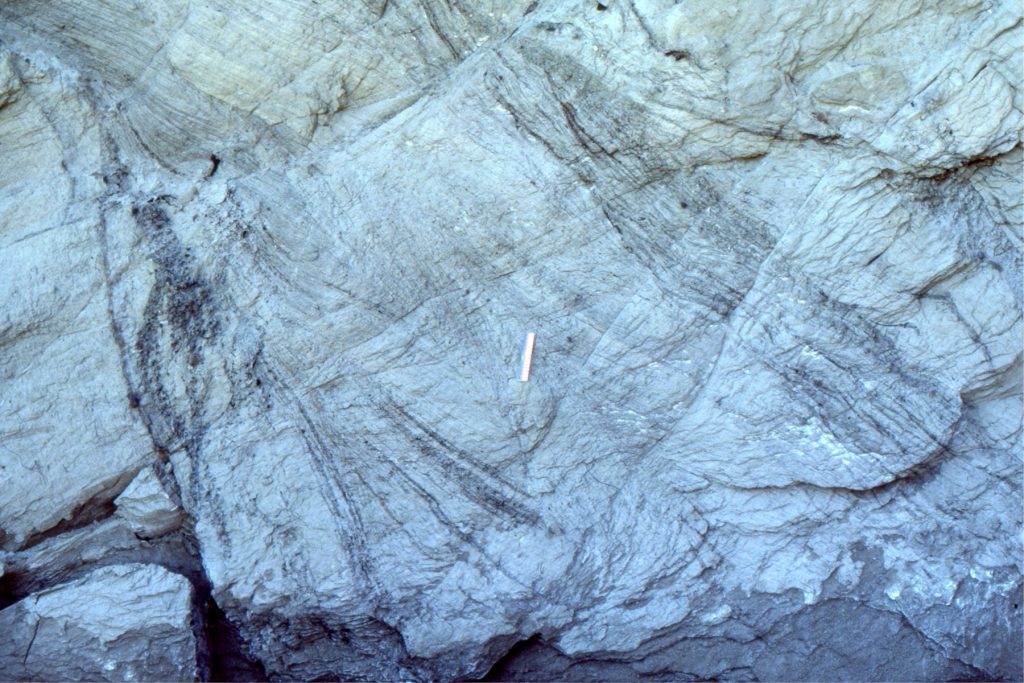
x: 120, y: 623
x: 267, y: 269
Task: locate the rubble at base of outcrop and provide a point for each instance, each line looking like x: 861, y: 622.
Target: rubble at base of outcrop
x: 119, y: 623
x: 265, y: 272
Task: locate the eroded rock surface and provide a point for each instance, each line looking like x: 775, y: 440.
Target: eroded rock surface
x: 147, y: 506
x: 272, y: 265
x: 120, y: 623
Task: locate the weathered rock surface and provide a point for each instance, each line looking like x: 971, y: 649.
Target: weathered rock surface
x: 271, y: 265
x: 147, y: 507
x: 120, y: 623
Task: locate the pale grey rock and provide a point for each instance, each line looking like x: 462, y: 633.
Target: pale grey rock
x: 69, y: 446
x: 771, y: 252
x: 114, y: 539
x: 147, y: 506
x: 121, y: 622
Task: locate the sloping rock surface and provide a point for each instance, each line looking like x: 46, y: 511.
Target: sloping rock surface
x: 267, y: 268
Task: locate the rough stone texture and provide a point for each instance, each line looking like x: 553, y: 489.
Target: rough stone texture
x: 147, y: 506
x: 771, y: 252
x: 120, y: 623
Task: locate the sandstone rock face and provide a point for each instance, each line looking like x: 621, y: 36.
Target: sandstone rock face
x: 121, y: 623
x: 267, y: 269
